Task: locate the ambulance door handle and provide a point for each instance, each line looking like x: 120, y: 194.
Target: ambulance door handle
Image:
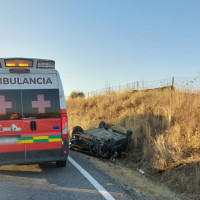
x: 33, y: 125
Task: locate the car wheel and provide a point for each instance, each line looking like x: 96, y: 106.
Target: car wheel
x: 128, y: 134
x: 110, y: 148
x: 76, y: 130
x: 103, y: 124
x: 61, y: 163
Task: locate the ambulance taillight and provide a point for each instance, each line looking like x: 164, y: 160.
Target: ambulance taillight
x: 64, y: 126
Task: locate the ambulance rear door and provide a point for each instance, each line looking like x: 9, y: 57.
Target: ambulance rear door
x: 41, y: 115
x: 12, y: 150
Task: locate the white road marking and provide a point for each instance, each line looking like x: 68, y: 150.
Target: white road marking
x: 92, y: 180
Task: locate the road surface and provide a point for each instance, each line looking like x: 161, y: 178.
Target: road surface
x: 47, y: 182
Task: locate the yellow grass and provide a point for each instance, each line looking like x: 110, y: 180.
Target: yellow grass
x: 165, y: 125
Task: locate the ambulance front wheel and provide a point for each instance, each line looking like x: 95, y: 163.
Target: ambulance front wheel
x: 61, y: 163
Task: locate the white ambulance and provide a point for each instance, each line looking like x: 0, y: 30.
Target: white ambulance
x: 33, y: 118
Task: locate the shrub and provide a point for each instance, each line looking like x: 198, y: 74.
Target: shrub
x: 75, y: 95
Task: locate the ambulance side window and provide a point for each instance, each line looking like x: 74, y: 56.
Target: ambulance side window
x: 10, y: 105
x: 41, y: 103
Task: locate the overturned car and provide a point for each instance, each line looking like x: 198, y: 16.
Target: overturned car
x: 101, y: 142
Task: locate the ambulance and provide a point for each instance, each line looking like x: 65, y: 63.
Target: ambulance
x: 33, y: 118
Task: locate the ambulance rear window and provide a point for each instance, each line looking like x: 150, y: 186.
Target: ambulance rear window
x: 10, y: 105
x: 41, y: 104
x: 29, y: 104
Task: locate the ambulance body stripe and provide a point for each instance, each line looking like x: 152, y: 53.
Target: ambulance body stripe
x: 26, y: 138
x: 55, y: 140
x: 25, y: 141
x: 39, y: 139
x: 55, y: 137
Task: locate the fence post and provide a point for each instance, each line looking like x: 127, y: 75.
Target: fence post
x: 137, y: 85
x: 172, y: 87
x: 133, y: 86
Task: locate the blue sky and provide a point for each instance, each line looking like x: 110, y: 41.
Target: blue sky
x: 97, y: 43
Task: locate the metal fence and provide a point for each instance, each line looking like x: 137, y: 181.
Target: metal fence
x: 191, y: 84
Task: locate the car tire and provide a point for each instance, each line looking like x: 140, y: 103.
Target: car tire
x: 110, y: 148
x: 61, y: 163
x: 103, y: 124
x: 128, y: 134
x: 77, y: 130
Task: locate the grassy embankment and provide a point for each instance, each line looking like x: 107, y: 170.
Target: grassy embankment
x: 166, y: 132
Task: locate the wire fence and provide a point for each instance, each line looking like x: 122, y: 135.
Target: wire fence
x: 191, y: 84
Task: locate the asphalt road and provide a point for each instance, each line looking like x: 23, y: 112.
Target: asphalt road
x: 47, y: 182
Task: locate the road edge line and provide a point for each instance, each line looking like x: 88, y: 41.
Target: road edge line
x: 91, y: 180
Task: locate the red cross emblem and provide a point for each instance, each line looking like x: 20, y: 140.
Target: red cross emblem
x: 41, y: 104
x: 4, y: 105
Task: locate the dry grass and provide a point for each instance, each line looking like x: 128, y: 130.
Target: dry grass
x: 133, y: 181
x: 166, y: 127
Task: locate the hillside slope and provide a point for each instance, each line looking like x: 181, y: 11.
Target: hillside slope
x: 166, y: 131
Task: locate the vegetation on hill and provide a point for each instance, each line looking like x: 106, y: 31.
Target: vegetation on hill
x: 75, y: 95
x: 166, y: 132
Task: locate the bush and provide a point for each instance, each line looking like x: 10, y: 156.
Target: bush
x: 75, y: 95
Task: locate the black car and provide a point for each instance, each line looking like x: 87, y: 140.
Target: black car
x: 101, y: 142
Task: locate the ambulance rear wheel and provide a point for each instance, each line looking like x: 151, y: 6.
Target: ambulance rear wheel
x: 61, y: 163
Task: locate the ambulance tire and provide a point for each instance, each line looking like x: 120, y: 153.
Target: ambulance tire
x: 61, y: 163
